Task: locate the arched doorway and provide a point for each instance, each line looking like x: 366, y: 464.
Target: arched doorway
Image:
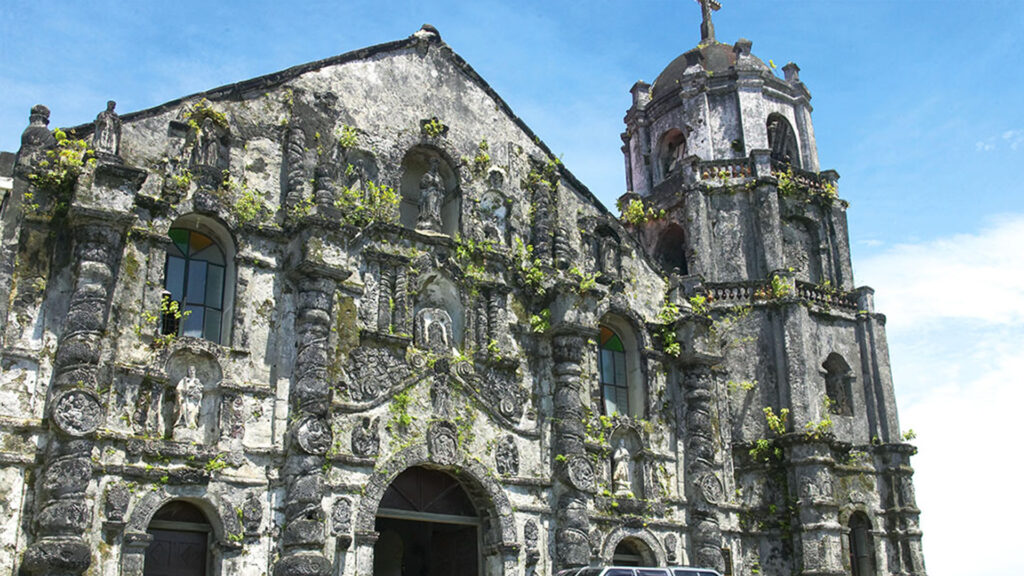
x: 428, y: 526
x: 633, y: 552
x: 181, y: 541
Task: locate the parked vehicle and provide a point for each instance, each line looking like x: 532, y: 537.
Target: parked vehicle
x: 638, y: 571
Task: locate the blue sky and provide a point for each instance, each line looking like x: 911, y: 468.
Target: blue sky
x: 917, y: 105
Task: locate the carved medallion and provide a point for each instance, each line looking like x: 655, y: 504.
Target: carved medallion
x: 366, y: 438
x: 374, y: 371
x: 443, y: 443
x: 77, y: 412
x: 341, y: 516
x: 506, y: 457
x: 581, y: 473
x: 710, y: 488
x: 314, y: 435
x: 116, y: 502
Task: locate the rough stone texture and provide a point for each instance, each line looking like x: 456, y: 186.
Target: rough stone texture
x: 360, y: 340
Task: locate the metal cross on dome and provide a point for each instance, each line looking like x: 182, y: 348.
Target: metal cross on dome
x: 707, y: 28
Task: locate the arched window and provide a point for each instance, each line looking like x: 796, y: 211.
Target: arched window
x: 619, y: 367
x: 837, y: 385
x: 782, y: 140
x: 671, y: 152
x: 671, y: 250
x: 862, y: 560
x: 198, y: 275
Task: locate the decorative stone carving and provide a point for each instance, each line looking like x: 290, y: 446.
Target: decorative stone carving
x: 711, y: 488
x: 313, y: 435
x: 434, y: 330
x: 493, y: 212
x: 442, y: 440
x: 573, y: 547
x: 431, y: 199
x: 671, y: 545
x: 581, y: 473
x: 622, y: 471
x: 366, y: 438
x: 77, y: 413
x: 608, y: 256
x: 374, y: 371
x: 232, y: 416
x: 189, y: 396
x: 341, y: 517
x: 441, y: 394
x: 506, y: 457
x: 210, y: 148
x: 252, y: 514
x: 115, y: 502
x: 531, y: 536
x: 106, y: 138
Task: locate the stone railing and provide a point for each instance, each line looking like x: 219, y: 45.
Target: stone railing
x: 827, y: 297
x: 733, y: 292
x: 817, y: 181
x: 725, y: 169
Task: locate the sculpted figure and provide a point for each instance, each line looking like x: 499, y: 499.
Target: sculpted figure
x: 622, y: 472
x: 106, y: 139
x: 431, y: 197
x: 190, y: 396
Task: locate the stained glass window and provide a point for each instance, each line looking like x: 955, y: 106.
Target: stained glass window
x: 614, y: 388
x: 194, y: 278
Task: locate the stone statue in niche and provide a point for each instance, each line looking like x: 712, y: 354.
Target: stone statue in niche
x: 622, y: 471
x: 366, y: 438
x: 106, y: 139
x: 441, y: 396
x: 431, y: 198
x: 609, y: 256
x: 189, y: 391
x: 443, y: 443
x: 434, y: 330
x: 493, y: 214
x: 208, y: 142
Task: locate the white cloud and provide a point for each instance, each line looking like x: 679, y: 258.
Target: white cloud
x: 956, y: 335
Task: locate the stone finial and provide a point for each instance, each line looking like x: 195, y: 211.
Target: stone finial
x: 792, y: 72
x: 742, y: 47
x: 428, y: 32
x: 37, y: 134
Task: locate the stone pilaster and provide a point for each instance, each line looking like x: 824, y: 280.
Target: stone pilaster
x: 64, y: 510
x: 704, y: 486
x: 574, y: 471
x: 902, y: 516
x: 309, y: 433
x: 812, y: 469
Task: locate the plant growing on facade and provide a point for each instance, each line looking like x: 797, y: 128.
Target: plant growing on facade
x: 200, y: 111
x: 376, y: 203
x: 56, y: 174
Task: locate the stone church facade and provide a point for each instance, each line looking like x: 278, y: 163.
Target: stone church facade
x: 355, y: 318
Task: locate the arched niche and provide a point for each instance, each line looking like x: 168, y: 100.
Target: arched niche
x: 436, y: 293
x: 493, y: 211
x: 423, y: 169
x: 670, y: 251
x: 838, y: 383
x: 627, y: 468
x: 619, y: 368
x: 782, y: 140
x: 193, y: 379
x: 200, y: 258
x: 671, y: 152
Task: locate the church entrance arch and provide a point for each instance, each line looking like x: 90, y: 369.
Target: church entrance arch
x: 181, y: 541
x: 428, y: 525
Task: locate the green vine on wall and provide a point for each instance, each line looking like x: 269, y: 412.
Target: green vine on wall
x: 56, y: 174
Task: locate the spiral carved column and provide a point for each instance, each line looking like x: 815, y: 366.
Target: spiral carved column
x: 574, y: 472
x: 64, y: 511
x: 705, y: 485
x: 309, y: 434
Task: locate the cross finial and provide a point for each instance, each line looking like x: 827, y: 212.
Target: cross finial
x: 707, y: 28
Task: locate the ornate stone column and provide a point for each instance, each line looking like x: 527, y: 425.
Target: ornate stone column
x: 704, y: 486
x: 573, y: 469
x: 902, y: 516
x: 64, y: 511
x: 309, y: 433
x: 812, y: 469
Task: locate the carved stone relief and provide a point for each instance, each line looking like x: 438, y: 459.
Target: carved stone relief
x: 115, y: 502
x: 313, y: 435
x: 374, y: 371
x: 252, y: 514
x: 77, y: 412
x: 581, y: 473
x: 506, y: 457
x: 530, y: 538
x: 366, y: 437
x: 442, y: 440
x: 434, y: 330
x: 671, y: 545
